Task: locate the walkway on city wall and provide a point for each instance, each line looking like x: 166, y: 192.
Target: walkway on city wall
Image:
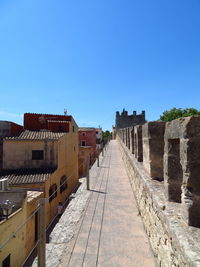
x: 111, y: 232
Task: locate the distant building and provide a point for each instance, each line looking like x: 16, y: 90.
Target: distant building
x: 113, y: 132
x: 99, y: 137
x: 87, y: 148
x: 85, y: 153
x: 124, y: 120
x: 87, y: 137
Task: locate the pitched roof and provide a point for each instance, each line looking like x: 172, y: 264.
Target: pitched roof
x: 26, y: 176
x: 37, y: 135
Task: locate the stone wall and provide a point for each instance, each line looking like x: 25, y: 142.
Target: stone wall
x: 174, y: 242
x: 124, y: 120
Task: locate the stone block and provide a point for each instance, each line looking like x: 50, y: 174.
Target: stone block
x: 128, y: 137
x: 182, y: 166
x: 138, y: 143
x: 131, y: 136
x: 153, y: 148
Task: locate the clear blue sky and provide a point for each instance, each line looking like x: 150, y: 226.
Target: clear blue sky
x: 94, y: 57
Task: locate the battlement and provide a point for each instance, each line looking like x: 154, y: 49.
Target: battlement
x: 162, y: 159
x: 124, y: 120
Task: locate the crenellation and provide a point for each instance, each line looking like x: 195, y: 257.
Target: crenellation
x: 153, y: 148
x: 182, y: 166
x: 169, y: 153
x: 124, y: 120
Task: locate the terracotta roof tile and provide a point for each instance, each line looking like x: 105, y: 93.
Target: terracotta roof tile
x: 37, y: 135
x: 58, y: 121
x: 26, y: 176
x: 87, y: 129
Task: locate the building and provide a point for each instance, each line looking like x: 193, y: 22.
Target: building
x: 44, y: 156
x: 113, y: 132
x: 7, y: 128
x: 18, y: 248
x: 87, y: 148
x: 85, y: 153
x: 87, y: 137
x: 99, y: 137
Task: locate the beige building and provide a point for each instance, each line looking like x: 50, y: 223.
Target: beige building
x: 46, y: 161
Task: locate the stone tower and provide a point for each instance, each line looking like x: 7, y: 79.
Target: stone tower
x: 124, y: 120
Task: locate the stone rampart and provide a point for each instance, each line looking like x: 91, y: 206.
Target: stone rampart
x: 166, y: 220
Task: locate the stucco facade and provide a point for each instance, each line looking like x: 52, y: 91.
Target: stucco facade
x: 46, y: 160
x: 18, y: 248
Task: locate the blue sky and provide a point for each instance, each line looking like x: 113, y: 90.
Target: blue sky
x: 96, y: 57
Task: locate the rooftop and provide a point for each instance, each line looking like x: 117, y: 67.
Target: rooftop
x: 87, y: 129
x: 68, y: 117
x: 37, y: 135
x: 33, y: 195
x: 58, y: 121
x: 26, y: 176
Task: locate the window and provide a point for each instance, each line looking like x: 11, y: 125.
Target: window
x: 6, y: 261
x: 83, y: 143
x: 73, y: 129
x: 37, y: 154
x: 52, y: 192
x: 63, y: 183
x: 83, y: 134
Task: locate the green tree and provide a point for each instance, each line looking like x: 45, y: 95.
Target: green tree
x: 176, y: 113
x: 106, y: 136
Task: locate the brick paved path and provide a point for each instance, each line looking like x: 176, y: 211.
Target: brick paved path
x: 111, y: 232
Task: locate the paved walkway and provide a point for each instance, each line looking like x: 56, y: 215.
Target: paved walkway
x: 111, y: 232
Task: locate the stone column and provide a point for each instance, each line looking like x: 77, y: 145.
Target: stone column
x: 138, y: 143
x: 153, y: 148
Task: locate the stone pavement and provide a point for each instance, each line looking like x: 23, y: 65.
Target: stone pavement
x: 111, y: 232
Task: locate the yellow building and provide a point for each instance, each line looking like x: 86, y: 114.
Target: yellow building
x: 17, y: 248
x: 46, y: 161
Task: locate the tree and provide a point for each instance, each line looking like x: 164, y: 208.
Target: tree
x: 176, y: 113
x: 106, y: 136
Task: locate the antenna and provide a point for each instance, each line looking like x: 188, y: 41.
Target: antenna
x: 65, y: 111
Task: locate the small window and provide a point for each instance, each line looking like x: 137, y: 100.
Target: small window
x: 37, y: 154
x: 52, y: 192
x: 73, y: 129
x: 83, y: 143
x: 63, y: 183
x: 83, y: 134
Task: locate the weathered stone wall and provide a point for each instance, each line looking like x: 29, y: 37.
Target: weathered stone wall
x: 174, y: 242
